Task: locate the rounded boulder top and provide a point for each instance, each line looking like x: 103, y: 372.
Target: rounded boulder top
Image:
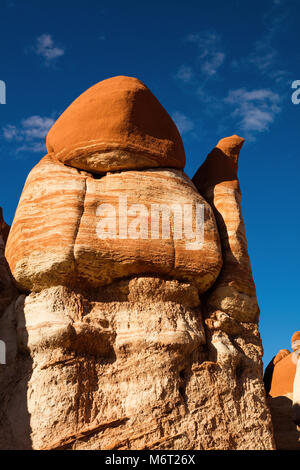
x: 117, y: 124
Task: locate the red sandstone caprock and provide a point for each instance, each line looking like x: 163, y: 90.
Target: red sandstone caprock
x: 116, y: 124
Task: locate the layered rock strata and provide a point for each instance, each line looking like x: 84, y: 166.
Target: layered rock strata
x: 129, y: 340
x: 7, y: 288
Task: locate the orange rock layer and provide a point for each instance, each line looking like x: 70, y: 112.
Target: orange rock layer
x: 116, y: 124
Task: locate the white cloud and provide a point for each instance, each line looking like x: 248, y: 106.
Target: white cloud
x: 46, y: 48
x: 211, y: 66
x: 254, y: 95
x: 183, y: 123
x: 255, y: 109
x: 185, y: 74
x: 36, y: 127
x: 280, y: 75
x: 30, y: 135
x: 263, y: 58
x: 210, y: 52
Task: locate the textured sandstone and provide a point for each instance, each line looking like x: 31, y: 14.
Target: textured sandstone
x: 234, y: 292
x: 129, y: 343
x: 282, y: 384
x: 169, y: 257
x: 40, y: 247
x: 54, y: 239
x: 116, y: 124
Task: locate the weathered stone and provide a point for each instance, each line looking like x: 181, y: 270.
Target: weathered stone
x: 40, y: 247
x: 116, y: 124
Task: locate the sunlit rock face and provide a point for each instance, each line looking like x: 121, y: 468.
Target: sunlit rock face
x: 55, y: 234
x: 116, y: 125
x: 131, y: 331
x: 282, y: 382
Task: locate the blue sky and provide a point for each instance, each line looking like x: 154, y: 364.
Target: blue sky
x: 218, y: 68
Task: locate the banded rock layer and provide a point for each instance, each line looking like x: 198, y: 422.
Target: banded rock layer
x: 54, y: 237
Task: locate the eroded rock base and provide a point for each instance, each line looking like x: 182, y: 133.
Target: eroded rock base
x: 133, y: 366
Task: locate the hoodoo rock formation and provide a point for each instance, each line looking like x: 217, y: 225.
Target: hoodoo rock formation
x: 282, y: 382
x: 234, y: 292
x: 136, y: 322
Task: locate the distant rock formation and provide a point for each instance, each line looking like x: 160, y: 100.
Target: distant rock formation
x: 282, y: 382
x: 131, y: 332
